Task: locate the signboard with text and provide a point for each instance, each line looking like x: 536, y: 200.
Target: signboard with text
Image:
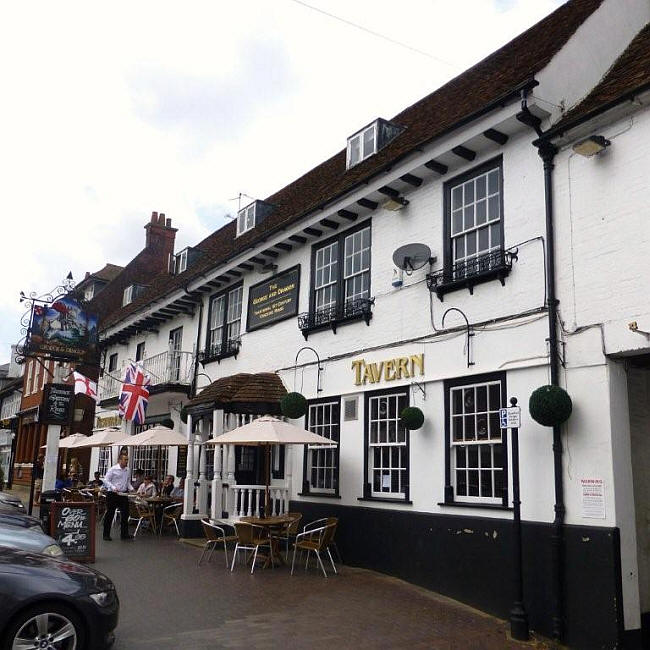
x: 72, y: 524
x: 274, y: 299
x: 58, y: 402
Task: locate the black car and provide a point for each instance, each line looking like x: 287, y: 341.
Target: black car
x: 54, y: 604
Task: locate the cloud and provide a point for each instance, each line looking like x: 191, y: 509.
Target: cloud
x: 207, y: 109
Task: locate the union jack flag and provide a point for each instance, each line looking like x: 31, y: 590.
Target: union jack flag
x: 135, y: 394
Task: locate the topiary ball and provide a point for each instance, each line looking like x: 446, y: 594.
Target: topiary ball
x: 293, y: 405
x: 412, y: 417
x: 550, y: 405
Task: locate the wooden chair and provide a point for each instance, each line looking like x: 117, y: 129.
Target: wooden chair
x: 170, y: 516
x: 139, y: 512
x: 249, y: 538
x: 215, y: 534
x: 316, y: 540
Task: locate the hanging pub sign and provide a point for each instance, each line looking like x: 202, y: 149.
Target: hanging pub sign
x: 62, y: 330
x: 274, y: 299
x: 58, y: 400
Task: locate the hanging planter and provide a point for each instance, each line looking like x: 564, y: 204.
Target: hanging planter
x: 550, y: 406
x: 293, y: 405
x: 412, y: 417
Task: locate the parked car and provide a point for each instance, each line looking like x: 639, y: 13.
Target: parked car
x: 30, y: 538
x: 50, y: 603
x: 11, y: 501
x: 19, y: 519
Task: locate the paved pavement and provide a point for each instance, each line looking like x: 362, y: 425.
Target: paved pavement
x: 169, y: 602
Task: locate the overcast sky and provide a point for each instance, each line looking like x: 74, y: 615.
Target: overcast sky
x: 112, y: 110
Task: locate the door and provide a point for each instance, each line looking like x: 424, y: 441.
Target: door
x: 175, y: 348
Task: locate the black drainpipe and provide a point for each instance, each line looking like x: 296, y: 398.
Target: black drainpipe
x: 547, y: 152
x: 196, y: 356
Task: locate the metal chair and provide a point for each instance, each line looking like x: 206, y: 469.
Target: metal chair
x: 216, y: 534
x: 290, y: 530
x: 139, y: 512
x: 170, y: 515
x: 316, y: 540
x: 249, y: 538
x: 318, y: 523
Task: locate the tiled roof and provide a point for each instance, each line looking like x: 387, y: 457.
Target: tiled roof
x: 109, y: 272
x: 437, y: 113
x: 630, y: 72
x: 243, y: 392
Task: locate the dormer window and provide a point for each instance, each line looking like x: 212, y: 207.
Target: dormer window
x: 252, y: 215
x: 370, y: 140
x: 89, y: 292
x: 181, y: 261
x: 131, y: 293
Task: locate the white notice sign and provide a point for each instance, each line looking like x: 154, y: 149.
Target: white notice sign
x: 593, y: 498
x: 510, y: 418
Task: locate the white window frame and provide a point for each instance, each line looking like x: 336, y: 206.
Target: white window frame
x: 181, y: 262
x: 326, y: 276
x: 356, y: 251
x: 246, y: 219
x: 467, y: 421
x: 127, y: 296
x: 328, y: 456
x: 30, y: 370
x: 145, y: 457
x: 89, y: 291
x: 225, y: 320
x: 103, y: 462
x: 359, y: 141
x: 385, y: 447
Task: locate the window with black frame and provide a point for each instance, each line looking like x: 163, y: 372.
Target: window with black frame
x: 321, y: 464
x: 474, y: 230
x: 476, y: 445
x: 340, y: 280
x: 224, y: 324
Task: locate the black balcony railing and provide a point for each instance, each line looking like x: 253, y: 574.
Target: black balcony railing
x: 468, y: 273
x: 357, y: 309
x: 219, y: 351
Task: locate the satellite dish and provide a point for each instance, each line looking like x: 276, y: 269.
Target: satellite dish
x: 411, y: 257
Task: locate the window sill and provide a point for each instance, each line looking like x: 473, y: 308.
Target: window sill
x: 205, y: 359
x: 309, y: 322
x: 467, y: 504
x: 496, y: 265
x: 319, y: 495
x: 386, y: 500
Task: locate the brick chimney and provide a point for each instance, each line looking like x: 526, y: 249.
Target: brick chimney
x: 159, y: 240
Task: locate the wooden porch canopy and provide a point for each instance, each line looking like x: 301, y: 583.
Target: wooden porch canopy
x: 252, y: 394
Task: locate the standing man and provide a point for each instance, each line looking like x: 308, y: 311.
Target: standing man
x: 116, y: 481
x: 38, y: 478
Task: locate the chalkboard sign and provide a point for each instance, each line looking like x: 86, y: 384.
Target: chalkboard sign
x: 57, y: 404
x: 181, y: 462
x: 72, y: 524
x: 274, y: 299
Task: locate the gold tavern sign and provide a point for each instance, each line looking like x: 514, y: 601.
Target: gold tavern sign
x: 389, y: 370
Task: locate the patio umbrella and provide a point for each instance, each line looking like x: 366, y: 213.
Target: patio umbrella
x: 265, y: 432
x: 69, y: 441
x: 101, y: 438
x: 158, y: 435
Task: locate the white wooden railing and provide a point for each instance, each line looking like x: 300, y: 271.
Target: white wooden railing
x: 248, y: 500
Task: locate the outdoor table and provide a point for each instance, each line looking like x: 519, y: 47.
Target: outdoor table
x: 271, y: 524
x: 158, y: 503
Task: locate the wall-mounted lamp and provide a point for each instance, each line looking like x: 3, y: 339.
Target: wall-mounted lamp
x: 591, y: 146
x: 395, y: 203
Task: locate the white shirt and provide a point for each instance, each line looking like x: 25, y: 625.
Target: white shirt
x: 117, y: 479
x: 147, y: 490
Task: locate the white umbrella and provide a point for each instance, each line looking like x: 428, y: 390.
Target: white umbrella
x: 102, y: 438
x: 69, y: 441
x: 267, y: 431
x: 158, y: 435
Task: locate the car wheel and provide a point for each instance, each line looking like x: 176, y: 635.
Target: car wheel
x: 49, y: 626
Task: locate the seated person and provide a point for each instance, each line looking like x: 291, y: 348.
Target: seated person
x: 138, y: 478
x: 178, y: 492
x: 147, y: 487
x: 96, y: 482
x: 167, y: 486
x: 62, y: 482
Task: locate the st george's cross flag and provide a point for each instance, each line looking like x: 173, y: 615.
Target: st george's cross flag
x: 85, y: 386
x: 135, y: 394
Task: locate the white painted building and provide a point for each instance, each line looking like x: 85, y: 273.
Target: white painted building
x: 312, y: 266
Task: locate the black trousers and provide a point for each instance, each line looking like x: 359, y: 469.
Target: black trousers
x: 116, y: 502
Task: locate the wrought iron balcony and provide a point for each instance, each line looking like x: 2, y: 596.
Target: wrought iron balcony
x: 219, y: 351
x: 496, y: 264
x: 357, y: 309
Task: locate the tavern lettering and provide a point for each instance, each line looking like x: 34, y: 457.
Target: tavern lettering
x: 389, y: 370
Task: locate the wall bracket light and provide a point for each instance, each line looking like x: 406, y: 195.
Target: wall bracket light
x: 591, y: 146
